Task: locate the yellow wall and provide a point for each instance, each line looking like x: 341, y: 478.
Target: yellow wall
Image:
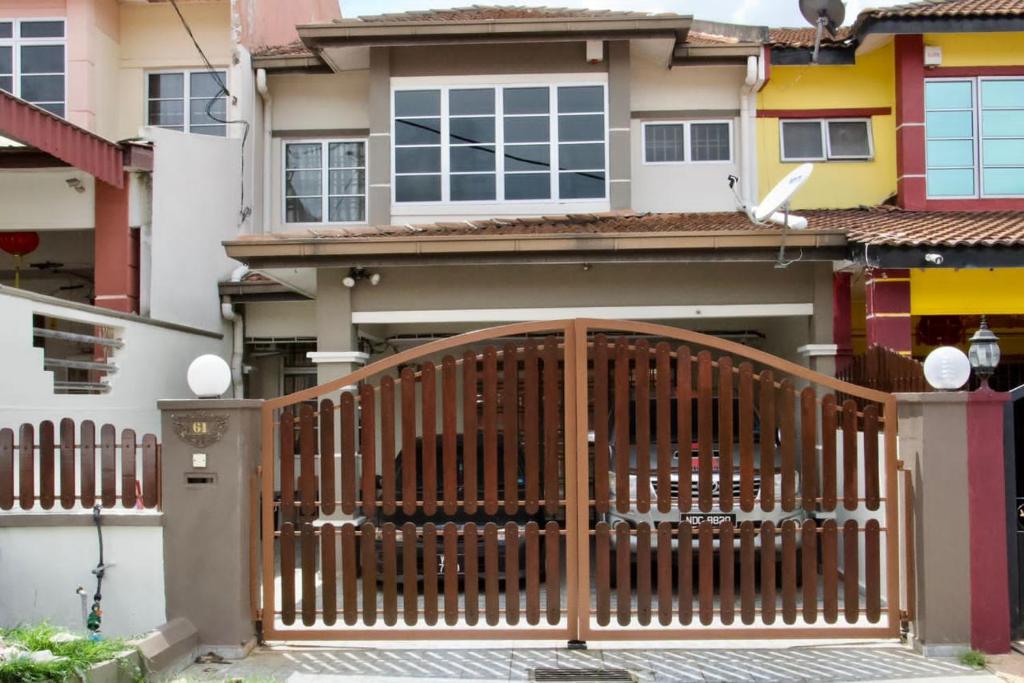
x: 835, y: 184
x: 944, y: 291
x: 979, y: 49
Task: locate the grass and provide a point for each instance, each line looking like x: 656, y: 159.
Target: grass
x: 973, y: 659
x: 80, y: 654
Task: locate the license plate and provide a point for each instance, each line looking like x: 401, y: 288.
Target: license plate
x: 715, y: 518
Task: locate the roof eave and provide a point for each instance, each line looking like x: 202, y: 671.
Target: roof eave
x: 914, y: 25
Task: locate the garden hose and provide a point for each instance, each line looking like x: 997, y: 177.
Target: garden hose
x: 95, y: 618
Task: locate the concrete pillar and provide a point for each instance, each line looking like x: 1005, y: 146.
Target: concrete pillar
x: 842, y: 329
x: 619, y: 105
x: 379, y: 152
x: 337, y: 351
x: 207, y: 473
x: 820, y: 352
x: 116, y: 250
x: 933, y: 445
x: 910, y: 133
x: 887, y: 300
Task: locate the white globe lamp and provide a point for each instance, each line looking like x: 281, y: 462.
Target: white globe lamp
x: 209, y: 376
x: 947, y: 368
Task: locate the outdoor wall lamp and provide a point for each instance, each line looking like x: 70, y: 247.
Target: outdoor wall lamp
x: 209, y: 376
x: 984, y: 352
x: 357, y: 274
x: 947, y: 368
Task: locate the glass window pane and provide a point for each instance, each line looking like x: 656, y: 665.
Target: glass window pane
x: 950, y: 182
x: 218, y: 129
x: 303, y: 210
x: 586, y: 98
x: 573, y: 128
x: 346, y: 182
x: 1002, y: 93
x: 461, y: 102
x: 205, y: 84
x: 1003, y: 152
x: 417, y: 159
x: 950, y: 153
x: 302, y: 155
x: 581, y: 185
x: 572, y: 157
x: 1005, y: 123
x: 472, y: 130
x: 42, y: 59
x: 208, y: 111
x: 6, y: 61
x: 166, y: 85
x: 472, y: 159
x: 664, y: 142
x: 418, y: 132
x: 418, y: 188
x: 949, y: 124
x: 55, y: 108
x: 527, y: 100
x: 527, y: 157
x: 472, y: 187
x: 346, y: 209
x: 527, y: 129
x: 42, y: 29
x: 418, y: 103
x: 802, y: 140
x: 42, y: 88
x: 1003, y: 181
x: 302, y: 183
x: 709, y: 142
x: 166, y: 113
x: 528, y: 186
x: 6, y: 29
x: 848, y: 139
x: 948, y: 95
x: 7, y: 83
x: 346, y: 155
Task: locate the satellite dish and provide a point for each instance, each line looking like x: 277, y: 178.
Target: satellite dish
x: 779, y: 198
x: 824, y: 15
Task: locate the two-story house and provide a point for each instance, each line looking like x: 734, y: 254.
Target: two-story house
x: 427, y: 173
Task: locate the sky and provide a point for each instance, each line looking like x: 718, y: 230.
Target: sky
x: 759, y: 12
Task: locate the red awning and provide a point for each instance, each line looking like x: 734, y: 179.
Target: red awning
x: 61, y: 139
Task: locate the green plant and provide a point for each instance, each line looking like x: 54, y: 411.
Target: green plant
x: 973, y: 659
x: 78, y: 655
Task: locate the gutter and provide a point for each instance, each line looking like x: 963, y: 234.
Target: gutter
x: 752, y: 84
x: 228, y: 312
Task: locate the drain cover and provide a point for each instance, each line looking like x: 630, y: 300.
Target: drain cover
x: 581, y: 675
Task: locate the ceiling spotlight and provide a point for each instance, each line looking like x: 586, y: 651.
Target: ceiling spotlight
x: 374, y: 279
x: 357, y: 274
x: 348, y: 281
x: 76, y: 185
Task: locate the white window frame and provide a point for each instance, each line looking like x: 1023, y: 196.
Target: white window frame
x: 498, y: 84
x: 976, y: 139
x: 826, y: 141
x: 324, y: 181
x: 186, y: 74
x: 15, y: 42
x: 687, y: 149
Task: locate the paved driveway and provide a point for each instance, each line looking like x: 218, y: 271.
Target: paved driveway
x: 860, y: 662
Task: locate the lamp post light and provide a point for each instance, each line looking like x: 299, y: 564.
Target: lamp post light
x: 947, y: 368
x: 984, y: 353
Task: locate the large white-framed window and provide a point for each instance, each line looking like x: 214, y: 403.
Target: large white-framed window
x: 189, y: 101
x: 33, y: 61
x: 506, y: 142
x: 692, y: 142
x: 974, y: 131
x: 324, y: 181
x: 847, y: 139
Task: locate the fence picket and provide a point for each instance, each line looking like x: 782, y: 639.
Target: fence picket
x: 531, y: 426
x: 368, y: 448
x: 642, y: 409
x: 706, y: 568
x: 490, y: 424
x: 705, y: 427
x: 67, y: 462
x: 410, y: 575
x: 871, y: 483
x: 326, y: 451
x: 471, y: 591
x: 767, y: 442
x: 307, y: 462
x: 768, y: 603
x: 430, y: 574
x: 510, y: 427
x: 787, y: 443
x: 726, y: 573
x: 828, y: 453
x: 348, y: 460
x: 552, y: 578
x: 850, y: 487
x: 449, y: 439
x: 492, y: 572
x: 349, y: 575
x: 150, y: 471
x: 328, y: 573
x: 287, y: 573
x: 368, y: 556
x: 643, y: 574
x: 46, y: 465
x: 851, y: 568
x: 511, y: 573
x: 87, y: 455
x: 128, y: 445
x: 725, y: 433
x: 408, y: 382
x: 108, y: 465
x: 746, y: 437
x: 451, y: 573
x: 622, y: 501
x: 469, y: 430
x: 552, y: 425
x: 388, y: 485
x: 684, y: 409
x: 663, y: 423
x: 602, y: 576
x: 623, y: 570
x: 532, y: 573
x: 428, y: 430
x: 664, y: 573
x: 6, y: 469
x: 685, y: 573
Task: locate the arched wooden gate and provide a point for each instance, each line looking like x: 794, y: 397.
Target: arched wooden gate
x: 580, y: 479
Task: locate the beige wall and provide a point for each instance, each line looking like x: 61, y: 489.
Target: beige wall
x: 527, y: 58
x: 42, y: 200
x: 320, y: 101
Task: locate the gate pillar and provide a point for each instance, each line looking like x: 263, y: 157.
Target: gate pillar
x: 207, y: 472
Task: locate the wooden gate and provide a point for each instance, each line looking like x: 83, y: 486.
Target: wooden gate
x: 580, y: 479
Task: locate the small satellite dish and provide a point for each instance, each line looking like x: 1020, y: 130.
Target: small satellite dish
x: 824, y: 15
x: 779, y: 198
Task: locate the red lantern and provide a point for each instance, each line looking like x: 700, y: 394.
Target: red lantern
x: 18, y: 244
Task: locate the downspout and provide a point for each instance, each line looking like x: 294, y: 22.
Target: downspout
x: 753, y: 82
x: 228, y: 312
x: 268, y: 113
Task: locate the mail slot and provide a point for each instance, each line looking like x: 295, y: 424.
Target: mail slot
x: 198, y: 479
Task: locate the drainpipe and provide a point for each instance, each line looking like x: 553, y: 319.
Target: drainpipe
x: 748, y: 140
x: 268, y: 114
x: 237, y: 321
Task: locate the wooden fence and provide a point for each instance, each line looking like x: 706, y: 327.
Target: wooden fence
x: 38, y: 470
x: 885, y: 370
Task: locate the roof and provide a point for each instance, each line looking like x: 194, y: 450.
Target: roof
x: 293, y: 49
x: 804, y: 37
x: 948, y: 8
x: 502, y: 12
x: 869, y: 225
x: 59, y: 138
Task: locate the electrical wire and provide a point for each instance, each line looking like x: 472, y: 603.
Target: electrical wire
x: 244, y: 210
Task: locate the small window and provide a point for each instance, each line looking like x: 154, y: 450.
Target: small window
x: 821, y: 140
x: 691, y: 141
x: 32, y: 62
x: 192, y: 102
x: 325, y: 181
